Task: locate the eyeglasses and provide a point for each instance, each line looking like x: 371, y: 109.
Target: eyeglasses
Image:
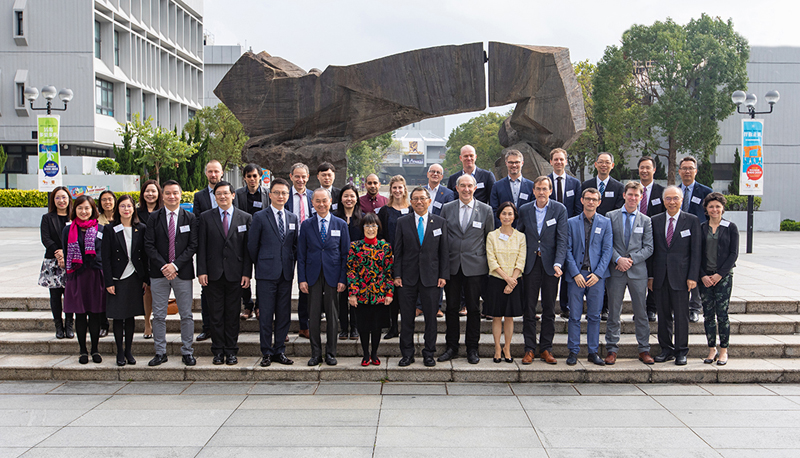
x: 419, y: 199
x: 686, y: 169
x: 513, y: 162
x: 672, y: 199
x: 591, y: 199
x: 370, y: 226
x: 603, y: 162
x: 279, y: 193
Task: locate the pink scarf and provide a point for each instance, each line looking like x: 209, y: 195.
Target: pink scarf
x: 74, y: 255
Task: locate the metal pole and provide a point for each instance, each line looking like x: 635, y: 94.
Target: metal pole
x: 750, y: 201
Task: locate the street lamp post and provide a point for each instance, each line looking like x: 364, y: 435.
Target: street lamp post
x: 749, y: 100
x: 49, y: 93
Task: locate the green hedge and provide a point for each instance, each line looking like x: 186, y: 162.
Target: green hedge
x: 16, y: 198
x: 739, y: 203
x: 790, y: 225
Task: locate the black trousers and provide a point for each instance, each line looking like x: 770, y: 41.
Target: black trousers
x: 471, y: 286
x: 429, y: 298
x: 673, y: 303
x: 223, y: 298
x: 247, y: 299
x: 275, y: 300
x: 563, y: 295
x: 651, y: 302
x: 204, y: 313
x: 347, y: 315
x: 323, y: 298
x: 535, y: 281
x: 302, y: 310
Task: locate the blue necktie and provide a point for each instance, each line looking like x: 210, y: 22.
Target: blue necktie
x: 628, y: 223
x: 420, y: 231
x: 323, y: 231
x: 602, y: 190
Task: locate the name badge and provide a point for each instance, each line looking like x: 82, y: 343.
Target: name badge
x: 437, y: 232
x: 504, y: 237
x: 656, y: 201
x: 523, y: 196
x: 437, y: 204
x: 686, y: 233
x: 695, y: 200
x: 243, y: 228
x: 404, y: 211
x: 724, y: 223
x: 477, y: 224
x: 258, y: 204
x: 609, y: 193
x: 479, y: 186
x: 550, y: 222
x: 118, y: 228
x: 336, y: 233
x: 638, y: 230
x: 291, y: 226
x: 570, y: 193
x: 377, y: 209
x: 334, y: 206
x: 67, y: 223
x: 100, y: 235
x: 598, y: 230
x: 185, y: 228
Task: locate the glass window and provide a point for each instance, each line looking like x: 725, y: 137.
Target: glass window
x: 20, y: 94
x: 191, y: 115
x: 116, y: 48
x: 104, y: 93
x: 144, y: 107
x: 97, y: 41
x: 128, y: 104
x: 18, y: 23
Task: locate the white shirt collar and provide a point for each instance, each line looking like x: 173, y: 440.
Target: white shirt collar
x: 563, y: 175
x: 470, y: 204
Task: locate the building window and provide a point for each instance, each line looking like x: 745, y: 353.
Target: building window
x: 128, y: 104
x: 97, y: 40
x: 116, y: 48
x: 105, y: 97
x: 18, y: 30
x: 20, y: 94
x: 87, y: 151
x: 191, y: 114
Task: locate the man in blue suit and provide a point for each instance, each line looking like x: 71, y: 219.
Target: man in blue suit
x: 513, y: 188
x: 693, y: 195
x: 484, y: 178
x: 322, y: 250
x: 566, y: 191
x: 273, y: 249
x: 589, y: 251
x: 299, y: 203
x: 439, y: 194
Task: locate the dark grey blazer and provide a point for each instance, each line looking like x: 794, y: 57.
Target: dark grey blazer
x: 240, y: 201
x: 468, y: 248
x: 220, y: 256
x: 682, y: 258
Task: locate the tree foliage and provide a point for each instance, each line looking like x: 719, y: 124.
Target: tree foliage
x: 480, y: 132
x: 226, y: 137
x: 365, y: 157
x: 733, y: 186
x: 664, y: 90
x: 156, y: 147
x: 108, y: 166
x: 3, y: 159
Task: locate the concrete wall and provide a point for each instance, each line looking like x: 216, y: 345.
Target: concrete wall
x: 21, y: 217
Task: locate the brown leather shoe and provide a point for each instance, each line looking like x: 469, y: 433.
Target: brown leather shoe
x: 418, y: 312
x: 528, y: 358
x: 611, y: 358
x: 246, y: 314
x: 547, y: 357
x: 303, y: 333
x: 646, y: 358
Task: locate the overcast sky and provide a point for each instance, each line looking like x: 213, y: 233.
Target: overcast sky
x: 342, y: 32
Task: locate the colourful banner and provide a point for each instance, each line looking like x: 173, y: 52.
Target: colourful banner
x: 91, y: 191
x: 266, y: 178
x: 751, y: 181
x: 49, y: 156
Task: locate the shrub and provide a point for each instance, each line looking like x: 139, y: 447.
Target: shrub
x: 17, y: 198
x: 739, y: 203
x: 107, y: 166
x: 790, y: 225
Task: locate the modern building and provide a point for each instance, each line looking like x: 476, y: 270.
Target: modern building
x: 119, y: 57
x: 217, y: 60
x: 423, y: 144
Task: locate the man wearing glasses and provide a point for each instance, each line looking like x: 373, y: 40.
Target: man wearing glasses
x: 513, y: 188
x: 439, y: 194
x: 251, y: 198
x: 693, y: 195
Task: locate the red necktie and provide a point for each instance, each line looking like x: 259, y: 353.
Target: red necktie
x: 670, y: 230
x: 643, y: 203
x: 171, y: 237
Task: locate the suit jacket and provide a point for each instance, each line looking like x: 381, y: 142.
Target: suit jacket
x: 572, y: 194
x: 240, y: 201
x: 552, y: 242
x: 272, y: 258
x: 727, y: 248
x: 117, y: 256
x: 613, y: 197
x: 156, y: 243
x: 443, y: 196
x: 224, y: 257
x: 89, y: 262
x: 601, y: 246
x: 501, y: 192
x: 681, y: 260
x: 335, y: 193
x: 696, y: 203
x: 484, y: 178
x: 640, y: 246
x: 654, y: 203
x: 468, y: 248
x: 329, y: 258
x: 290, y: 203
x: 425, y: 263
x: 202, y: 201
x: 50, y: 232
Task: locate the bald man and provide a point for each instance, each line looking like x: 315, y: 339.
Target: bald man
x: 484, y: 178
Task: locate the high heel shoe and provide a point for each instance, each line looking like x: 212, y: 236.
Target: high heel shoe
x: 497, y: 360
x: 723, y: 362
x: 509, y: 359
x: 711, y: 360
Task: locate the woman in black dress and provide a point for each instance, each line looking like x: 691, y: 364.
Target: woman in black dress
x: 52, y: 273
x: 349, y: 209
x: 107, y: 204
x: 150, y: 200
x: 125, y: 274
x: 397, y: 206
x: 84, y: 293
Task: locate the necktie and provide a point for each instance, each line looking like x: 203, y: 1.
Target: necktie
x: 643, y: 203
x: 324, y: 231
x: 171, y: 237
x: 602, y: 190
x: 670, y: 230
x: 685, y: 206
x: 281, y: 229
x: 627, y: 230
x: 420, y: 231
x: 302, y: 208
x: 560, y: 191
x: 464, y: 217
x: 225, y: 222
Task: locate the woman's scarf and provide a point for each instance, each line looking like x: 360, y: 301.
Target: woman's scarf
x: 74, y: 255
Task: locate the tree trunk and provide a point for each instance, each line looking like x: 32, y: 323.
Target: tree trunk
x: 672, y: 162
x: 158, y: 170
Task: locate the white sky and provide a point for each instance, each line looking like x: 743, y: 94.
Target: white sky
x: 342, y: 32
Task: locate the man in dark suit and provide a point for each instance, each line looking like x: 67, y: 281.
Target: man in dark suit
x: 170, y: 242
x: 299, y: 203
x: 204, y: 200
x: 672, y: 273
x: 544, y: 223
x: 469, y: 221
x: 484, y: 178
x: 650, y: 205
x: 439, y: 194
x: 566, y: 191
x: 421, y: 269
x: 322, y: 251
x: 223, y: 233
x: 251, y: 198
x: 693, y: 195
x: 513, y: 188
x: 326, y: 173
x: 273, y: 248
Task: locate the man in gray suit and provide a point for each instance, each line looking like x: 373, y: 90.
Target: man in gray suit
x: 469, y: 221
x: 633, y: 244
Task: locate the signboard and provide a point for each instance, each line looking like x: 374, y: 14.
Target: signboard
x: 49, y: 156
x: 414, y: 159
x: 751, y: 181
x: 91, y: 191
x: 265, y: 179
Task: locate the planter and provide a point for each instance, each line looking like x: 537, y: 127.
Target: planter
x: 763, y: 221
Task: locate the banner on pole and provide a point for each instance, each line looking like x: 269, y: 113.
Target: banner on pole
x: 49, y: 155
x: 751, y: 181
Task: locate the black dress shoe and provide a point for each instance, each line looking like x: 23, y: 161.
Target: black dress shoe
x: 604, y: 316
x: 218, y: 360
x: 103, y: 333
x: 330, y: 360
x: 231, y: 360
x: 189, y: 360
x: 694, y: 317
x: 203, y: 336
x: 565, y: 314
x: 664, y: 357
x: 353, y: 335
x: 651, y: 317
x: 572, y: 359
x: 281, y: 358
x: 711, y: 360
x: 315, y: 361
x: 121, y: 360
x: 448, y: 355
x: 131, y: 360
x: 266, y: 360
x: 343, y: 335
x: 83, y: 359
x: 594, y: 358
x: 429, y: 361
x: 390, y: 335
x: 96, y: 358
x: 406, y: 361
x: 680, y: 361
x: 157, y: 360
x: 472, y: 357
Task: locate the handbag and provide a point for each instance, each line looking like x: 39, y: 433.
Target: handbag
x: 172, y: 307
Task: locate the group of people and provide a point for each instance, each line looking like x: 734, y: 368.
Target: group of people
x: 369, y: 263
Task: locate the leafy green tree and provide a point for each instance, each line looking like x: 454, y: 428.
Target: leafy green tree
x: 226, y: 137
x: 679, y: 80
x: 588, y: 143
x: 733, y: 186
x: 108, y: 166
x: 3, y: 159
x: 705, y: 172
x: 165, y: 148
x: 365, y: 157
x: 124, y: 154
x: 481, y: 133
